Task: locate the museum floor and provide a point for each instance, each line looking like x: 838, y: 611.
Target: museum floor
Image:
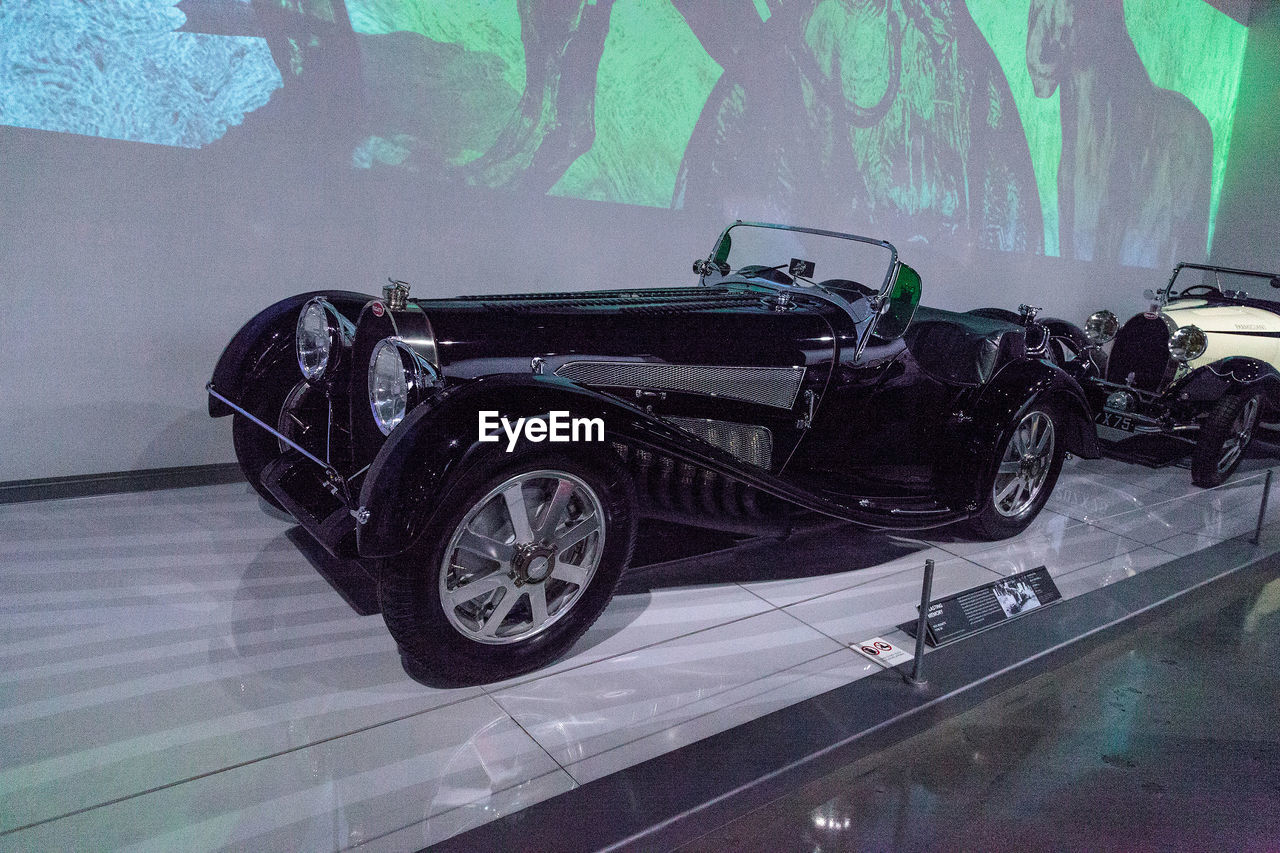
x: 1163, y: 739
x: 177, y: 675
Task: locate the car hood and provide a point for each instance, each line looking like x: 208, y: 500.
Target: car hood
x: 1238, y: 319
x: 477, y: 336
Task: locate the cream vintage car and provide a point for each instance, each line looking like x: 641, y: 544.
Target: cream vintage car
x: 1199, y: 365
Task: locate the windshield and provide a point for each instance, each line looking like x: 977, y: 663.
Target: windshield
x: 1222, y: 282
x: 854, y: 268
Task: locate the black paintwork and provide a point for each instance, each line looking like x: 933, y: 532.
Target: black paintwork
x: 903, y: 435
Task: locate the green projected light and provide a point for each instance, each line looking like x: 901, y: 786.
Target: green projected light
x: 1192, y: 48
x: 927, y: 121
x: 1004, y: 25
x: 1186, y: 46
x: 651, y: 83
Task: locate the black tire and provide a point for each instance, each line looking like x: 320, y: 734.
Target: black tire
x: 255, y: 447
x: 1224, y: 438
x: 1003, y: 515
x: 442, y: 645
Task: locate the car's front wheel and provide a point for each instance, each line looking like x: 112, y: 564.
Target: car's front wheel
x: 1029, y: 461
x: 1224, y: 438
x: 512, y: 572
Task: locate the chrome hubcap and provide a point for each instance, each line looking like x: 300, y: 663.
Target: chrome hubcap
x: 1024, y: 466
x: 1241, y: 432
x: 522, y: 557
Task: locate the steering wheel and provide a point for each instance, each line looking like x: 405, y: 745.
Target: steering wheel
x: 1208, y: 289
x: 773, y: 274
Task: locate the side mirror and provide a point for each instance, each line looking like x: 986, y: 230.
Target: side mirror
x: 901, y: 305
x: 1150, y: 295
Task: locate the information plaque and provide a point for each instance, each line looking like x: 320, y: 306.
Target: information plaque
x: 986, y: 606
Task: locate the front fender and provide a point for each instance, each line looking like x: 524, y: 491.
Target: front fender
x: 439, y: 440
x: 1203, y: 387
x: 264, y: 338
x: 994, y: 411
x: 1091, y: 361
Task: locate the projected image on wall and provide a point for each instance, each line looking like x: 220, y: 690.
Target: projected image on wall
x: 1086, y: 129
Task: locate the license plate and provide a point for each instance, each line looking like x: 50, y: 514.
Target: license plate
x: 1115, y: 421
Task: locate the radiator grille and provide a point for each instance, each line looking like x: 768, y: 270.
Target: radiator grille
x: 1142, y: 348
x: 769, y: 386
x: 751, y: 444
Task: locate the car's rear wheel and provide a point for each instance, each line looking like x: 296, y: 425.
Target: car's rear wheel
x: 1030, y: 459
x: 521, y: 560
x: 1224, y: 438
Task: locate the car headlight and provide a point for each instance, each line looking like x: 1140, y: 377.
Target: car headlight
x: 396, y: 373
x: 320, y: 330
x: 1188, y: 343
x: 1101, y: 327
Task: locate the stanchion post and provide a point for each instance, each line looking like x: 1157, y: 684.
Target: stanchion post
x: 922, y: 624
x: 1262, y: 508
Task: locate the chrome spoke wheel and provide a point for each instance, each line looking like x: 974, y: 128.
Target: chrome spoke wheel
x: 1241, y: 432
x: 522, y: 557
x: 1024, y: 468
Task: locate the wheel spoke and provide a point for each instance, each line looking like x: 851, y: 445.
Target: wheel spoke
x: 1018, y: 443
x: 483, y: 586
x: 499, y: 614
x: 1009, y: 468
x: 577, y: 533
x: 538, y: 604
x: 568, y: 573
x: 1231, y: 450
x: 1008, y: 489
x: 519, y: 513
x: 554, y: 512
x: 484, y: 593
x: 1043, y: 445
x: 485, y: 547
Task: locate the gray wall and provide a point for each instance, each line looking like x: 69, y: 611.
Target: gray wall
x: 127, y: 267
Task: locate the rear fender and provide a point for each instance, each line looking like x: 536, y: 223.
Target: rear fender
x: 265, y: 340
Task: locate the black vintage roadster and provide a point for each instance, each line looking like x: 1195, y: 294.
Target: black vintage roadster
x: 438, y: 441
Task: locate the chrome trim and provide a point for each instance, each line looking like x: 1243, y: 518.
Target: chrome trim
x: 329, y: 469
x: 767, y: 386
x: 1168, y: 288
x: 748, y: 442
x: 396, y: 294
x: 419, y: 374
x: 835, y: 299
x: 342, y: 332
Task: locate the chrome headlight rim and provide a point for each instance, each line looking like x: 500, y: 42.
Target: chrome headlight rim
x: 316, y: 349
x: 1102, y: 326
x: 398, y: 378
x: 1187, y: 343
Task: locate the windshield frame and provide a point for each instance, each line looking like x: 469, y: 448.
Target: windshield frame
x: 877, y: 303
x: 1166, y: 293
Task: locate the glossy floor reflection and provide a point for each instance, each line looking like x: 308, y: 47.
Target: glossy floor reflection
x: 174, y: 672
x: 1164, y: 739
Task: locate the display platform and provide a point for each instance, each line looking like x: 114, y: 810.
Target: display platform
x: 177, y: 674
